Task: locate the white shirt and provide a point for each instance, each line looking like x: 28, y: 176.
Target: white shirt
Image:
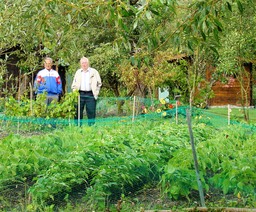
x: 85, y: 82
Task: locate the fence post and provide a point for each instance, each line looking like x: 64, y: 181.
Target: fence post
x: 229, y: 110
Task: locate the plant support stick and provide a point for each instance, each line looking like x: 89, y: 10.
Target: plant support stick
x: 229, y: 110
x: 200, y: 188
x: 176, y: 104
x: 78, y: 112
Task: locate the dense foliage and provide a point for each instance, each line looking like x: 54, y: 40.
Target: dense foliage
x: 109, y: 163
x: 135, y: 45
x: 129, y: 42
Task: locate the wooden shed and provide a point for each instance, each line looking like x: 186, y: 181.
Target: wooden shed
x: 236, y: 92
x: 229, y: 92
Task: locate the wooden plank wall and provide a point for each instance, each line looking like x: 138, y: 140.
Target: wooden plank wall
x: 230, y: 92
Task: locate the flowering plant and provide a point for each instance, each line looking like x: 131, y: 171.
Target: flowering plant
x: 160, y: 107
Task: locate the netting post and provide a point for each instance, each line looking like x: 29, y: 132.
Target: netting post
x: 229, y: 110
x: 78, y: 112
x: 176, y: 97
x: 176, y: 104
x: 200, y: 188
x: 133, y: 109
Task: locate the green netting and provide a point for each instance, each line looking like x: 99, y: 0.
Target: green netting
x: 126, y: 110
x: 36, y: 123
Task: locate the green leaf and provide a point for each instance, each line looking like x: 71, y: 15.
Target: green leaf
x: 229, y: 6
x: 170, y: 169
x: 155, y: 12
x: 190, y: 45
x: 214, y: 50
x: 69, y: 18
x: 204, y: 26
x: 135, y: 24
x: 203, y: 35
x: 125, y: 13
x: 133, y: 60
x: 147, y: 60
x: 148, y: 15
x: 240, y: 7
x: 98, y: 10
x: 218, y: 24
x: 216, y: 34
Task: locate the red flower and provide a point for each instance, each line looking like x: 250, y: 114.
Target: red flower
x: 170, y: 106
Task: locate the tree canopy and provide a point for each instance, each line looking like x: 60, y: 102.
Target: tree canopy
x: 121, y: 36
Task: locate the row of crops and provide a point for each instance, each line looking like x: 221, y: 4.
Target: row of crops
x: 107, y: 163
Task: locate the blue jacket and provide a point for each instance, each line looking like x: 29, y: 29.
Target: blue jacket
x: 49, y: 82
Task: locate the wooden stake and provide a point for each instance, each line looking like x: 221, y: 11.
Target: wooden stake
x: 176, y: 104
x: 200, y: 188
x: 78, y: 108
x: 229, y: 110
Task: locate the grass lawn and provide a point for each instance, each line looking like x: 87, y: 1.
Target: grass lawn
x: 236, y: 114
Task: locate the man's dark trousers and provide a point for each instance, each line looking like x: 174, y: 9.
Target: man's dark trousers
x: 88, y: 102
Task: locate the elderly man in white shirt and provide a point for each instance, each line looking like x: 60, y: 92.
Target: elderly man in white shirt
x: 88, y: 82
